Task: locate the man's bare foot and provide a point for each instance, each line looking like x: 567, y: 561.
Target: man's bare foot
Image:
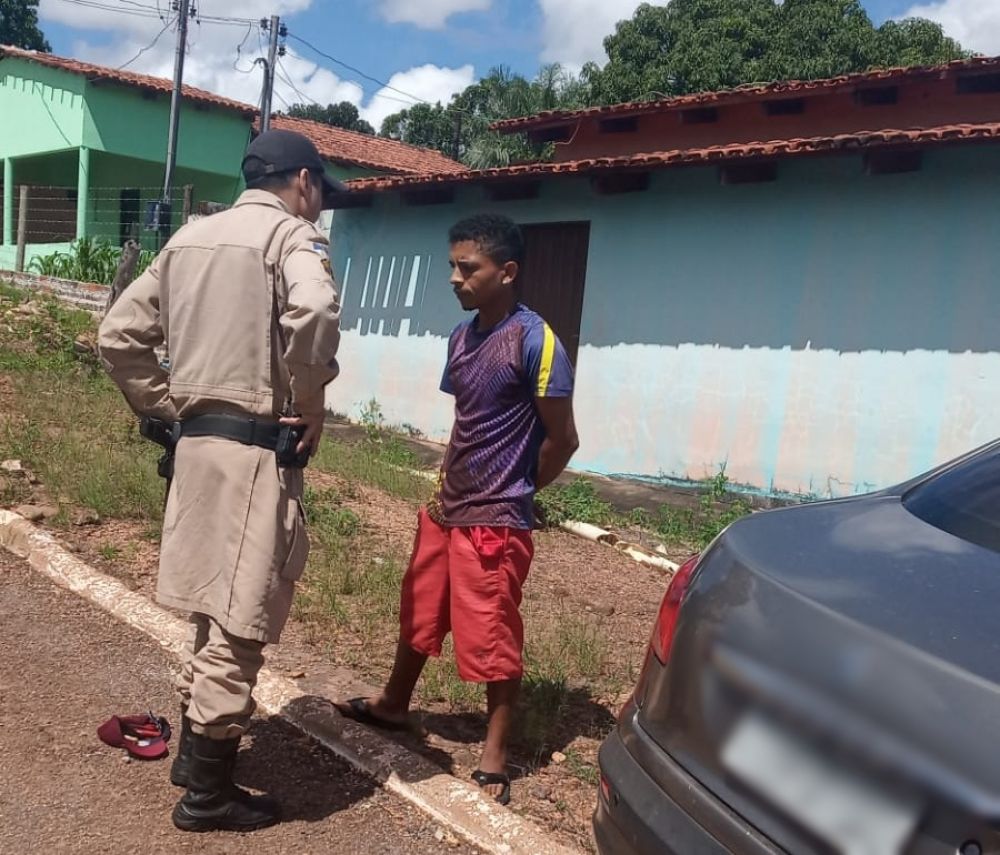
x: 493, y: 762
x: 374, y: 712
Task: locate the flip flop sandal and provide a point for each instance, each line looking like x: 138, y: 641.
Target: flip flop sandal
x: 485, y: 779
x: 142, y: 736
x: 359, y: 710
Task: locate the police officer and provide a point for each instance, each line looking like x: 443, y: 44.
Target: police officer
x: 245, y: 303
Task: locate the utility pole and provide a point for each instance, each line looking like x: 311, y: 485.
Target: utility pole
x: 275, y: 30
x: 162, y: 212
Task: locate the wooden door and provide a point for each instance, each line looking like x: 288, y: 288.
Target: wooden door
x: 553, y: 276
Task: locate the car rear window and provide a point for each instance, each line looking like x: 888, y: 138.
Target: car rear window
x: 963, y: 500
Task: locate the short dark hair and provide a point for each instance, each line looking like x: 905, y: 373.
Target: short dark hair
x: 497, y: 236
x: 278, y: 180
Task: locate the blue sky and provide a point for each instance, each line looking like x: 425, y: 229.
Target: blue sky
x: 426, y: 48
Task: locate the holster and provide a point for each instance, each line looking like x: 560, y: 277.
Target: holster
x: 165, y: 435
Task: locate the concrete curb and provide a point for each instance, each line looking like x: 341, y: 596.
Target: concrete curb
x: 458, y: 806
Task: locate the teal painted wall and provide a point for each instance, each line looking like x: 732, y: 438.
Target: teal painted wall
x: 827, y: 333
x: 121, y: 120
x: 44, y: 105
x: 57, y: 112
x: 8, y: 254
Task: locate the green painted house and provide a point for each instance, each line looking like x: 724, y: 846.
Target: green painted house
x: 89, y: 143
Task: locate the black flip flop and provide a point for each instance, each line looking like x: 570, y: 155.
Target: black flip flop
x: 485, y: 779
x: 359, y: 710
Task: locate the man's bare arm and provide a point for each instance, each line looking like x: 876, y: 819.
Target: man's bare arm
x: 561, y: 440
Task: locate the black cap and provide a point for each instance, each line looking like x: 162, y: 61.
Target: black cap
x: 275, y: 152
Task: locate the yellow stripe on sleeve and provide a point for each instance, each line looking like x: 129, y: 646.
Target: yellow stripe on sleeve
x: 548, y: 354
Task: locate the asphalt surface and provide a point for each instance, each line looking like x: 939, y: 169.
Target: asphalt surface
x: 65, y: 667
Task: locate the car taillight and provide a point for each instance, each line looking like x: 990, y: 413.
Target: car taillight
x: 666, y: 621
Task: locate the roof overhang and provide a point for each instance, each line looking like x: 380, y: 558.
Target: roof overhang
x: 776, y: 150
x: 753, y: 92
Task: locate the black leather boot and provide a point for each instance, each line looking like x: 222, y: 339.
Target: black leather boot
x: 180, y: 768
x: 212, y: 801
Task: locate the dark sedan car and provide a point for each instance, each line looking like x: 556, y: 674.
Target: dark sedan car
x: 824, y: 679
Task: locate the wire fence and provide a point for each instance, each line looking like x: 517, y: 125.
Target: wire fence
x: 110, y: 215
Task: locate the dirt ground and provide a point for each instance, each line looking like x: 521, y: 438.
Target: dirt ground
x: 65, y: 667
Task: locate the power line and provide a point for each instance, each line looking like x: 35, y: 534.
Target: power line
x: 150, y: 46
x: 239, y: 50
x: 415, y: 99
x: 282, y: 100
x: 287, y: 78
x: 116, y: 9
x: 282, y: 73
x: 357, y: 71
x: 141, y: 10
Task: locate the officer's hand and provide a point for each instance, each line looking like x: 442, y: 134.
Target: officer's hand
x: 313, y: 430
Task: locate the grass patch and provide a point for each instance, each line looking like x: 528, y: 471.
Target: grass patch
x: 339, y: 587
x: 41, y: 334
x: 75, y: 433
x: 67, y: 422
x: 382, y: 465
x: 694, y: 527
x: 577, y: 501
x: 109, y: 552
x: 440, y: 683
x: 381, y: 460
x: 717, y: 508
x: 581, y: 769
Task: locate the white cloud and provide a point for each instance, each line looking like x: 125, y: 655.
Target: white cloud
x: 975, y: 23
x: 574, y: 30
x: 213, y: 63
x: 427, y: 82
x: 428, y: 14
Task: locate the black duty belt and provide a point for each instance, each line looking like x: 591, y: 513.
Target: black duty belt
x: 249, y: 431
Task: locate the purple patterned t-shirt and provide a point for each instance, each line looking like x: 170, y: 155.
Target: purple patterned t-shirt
x: 488, y: 476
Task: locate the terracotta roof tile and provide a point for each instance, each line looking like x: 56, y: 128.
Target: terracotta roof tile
x: 126, y: 78
x: 352, y: 148
x: 751, y: 92
x: 734, y: 152
x: 334, y: 144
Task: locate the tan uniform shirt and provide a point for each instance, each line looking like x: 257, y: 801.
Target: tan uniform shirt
x: 248, y: 310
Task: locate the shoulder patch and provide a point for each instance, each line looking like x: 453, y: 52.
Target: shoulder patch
x: 323, y: 251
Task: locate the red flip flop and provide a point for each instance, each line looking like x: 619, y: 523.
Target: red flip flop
x: 142, y: 736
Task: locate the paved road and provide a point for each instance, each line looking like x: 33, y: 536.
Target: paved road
x: 65, y: 667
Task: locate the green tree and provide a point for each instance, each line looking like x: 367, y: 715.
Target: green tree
x: 467, y: 118
x: 426, y: 125
x: 915, y: 41
x: 19, y: 25
x: 700, y: 45
x: 343, y: 115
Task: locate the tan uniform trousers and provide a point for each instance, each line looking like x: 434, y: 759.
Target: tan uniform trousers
x: 218, y: 675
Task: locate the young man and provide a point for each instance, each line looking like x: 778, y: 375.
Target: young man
x: 513, y: 434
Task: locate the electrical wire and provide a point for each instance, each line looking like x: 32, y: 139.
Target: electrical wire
x: 136, y: 13
x: 150, y: 46
x: 239, y: 51
x: 283, y: 74
x: 141, y: 10
x: 357, y: 71
x: 415, y: 99
x: 282, y: 100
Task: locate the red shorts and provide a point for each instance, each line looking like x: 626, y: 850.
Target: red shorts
x: 468, y: 581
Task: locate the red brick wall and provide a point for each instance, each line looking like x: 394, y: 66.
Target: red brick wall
x: 923, y: 105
